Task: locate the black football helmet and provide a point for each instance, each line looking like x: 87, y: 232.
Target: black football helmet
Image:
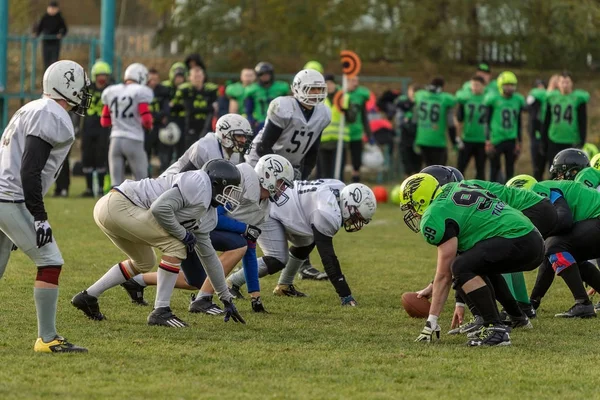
x: 263, y: 68
x: 225, y: 180
x: 442, y: 173
x: 458, y: 176
x: 567, y: 164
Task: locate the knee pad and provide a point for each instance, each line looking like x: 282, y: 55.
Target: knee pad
x: 302, y: 253
x: 273, y: 264
x: 461, y: 273
x: 561, y: 261
x: 49, y: 274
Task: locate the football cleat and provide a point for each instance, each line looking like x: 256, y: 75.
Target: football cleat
x: 89, y: 305
x: 57, y: 345
x: 310, y: 272
x: 236, y: 292
x: 492, y: 335
x: 135, y: 292
x: 579, y: 310
x: 474, y: 324
x: 287, y: 290
x: 519, y: 322
x: 535, y: 303
x: 162, y: 316
x: 204, y: 305
x: 597, y: 307
x: 528, y: 310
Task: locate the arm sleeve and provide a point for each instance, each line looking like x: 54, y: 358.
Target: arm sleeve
x: 249, y: 109
x: 310, y: 158
x: 34, y: 159
x: 146, y: 115
x: 270, y: 135
x: 250, y: 265
x: 163, y: 209
x: 582, y: 121
x: 331, y: 263
x: 460, y: 113
x: 226, y: 223
x: 212, y: 265
x: 105, y: 120
x: 188, y: 167
x: 565, y: 216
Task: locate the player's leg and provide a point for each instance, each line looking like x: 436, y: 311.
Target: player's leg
x: 480, y: 157
x: 464, y: 156
x: 16, y: 223
x: 101, y: 161
x: 299, y: 252
x: 495, y: 165
x: 6, y: 245
x: 509, y: 159
x: 88, y: 161
x: 116, y: 161
x: 136, y: 157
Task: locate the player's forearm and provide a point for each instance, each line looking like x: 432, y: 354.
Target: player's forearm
x: 226, y: 223
x: 270, y: 135
x: 163, y: 210
x: 441, y: 288
x: 213, y: 266
x: 34, y: 159
x: 250, y: 265
x: 331, y: 263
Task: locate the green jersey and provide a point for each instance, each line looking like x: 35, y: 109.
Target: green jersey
x: 432, y: 112
x: 236, y: 91
x: 474, y: 214
x: 583, y: 201
x: 516, y: 198
x: 505, y: 116
x: 262, y: 96
x: 472, y: 113
x: 589, y: 176
x: 563, y: 126
x: 358, y: 98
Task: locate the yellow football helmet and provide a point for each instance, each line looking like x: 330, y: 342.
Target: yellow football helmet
x: 522, y: 181
x: 417, y: 193
x: 595, y: 161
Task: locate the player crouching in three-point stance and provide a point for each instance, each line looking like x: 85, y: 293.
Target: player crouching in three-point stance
x: 174, y: 214
x: 492, y: 239
x: 34, y: 146
x: 309, y: 215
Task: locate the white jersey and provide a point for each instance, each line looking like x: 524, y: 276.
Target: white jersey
x: 43, y: 118
x: 310, y: 203
x: 252, y: 210
x: 200, y: 152
x: 298, y: 134
x: 195, y: 189
x: 123, y: 101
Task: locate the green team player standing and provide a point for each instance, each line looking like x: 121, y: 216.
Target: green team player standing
x: 565, y: 122
x: 485, y: 72
x: 433, y: 113
x: 236, y: 92
x: 471, y: 117
x: 503, y: 134
x: 477, y: 235
x: 358, y: 97
x: 259, y: 95
x: 536, y: 111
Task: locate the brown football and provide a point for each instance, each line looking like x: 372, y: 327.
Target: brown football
x: 414, y: 306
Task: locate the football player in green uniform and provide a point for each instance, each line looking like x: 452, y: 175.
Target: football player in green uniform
x: 359, y: 96
x: 565, y: 122
x: 259, y: 95
x: 485, y: 72
x: 433, y: 113
x: 236, y: 92
x: 477, y: 235
x: 590, y: 176
x: 503, y: 135
x: 536, y: 111
x: 471, y: 117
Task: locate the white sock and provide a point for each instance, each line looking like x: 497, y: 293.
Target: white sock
x: 139, y: 279
x: 113, y: 277
x: 166, y: 279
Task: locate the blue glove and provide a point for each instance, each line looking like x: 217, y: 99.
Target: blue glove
x: 348, y: 301
x: 190, y: 241
x: 232, y: 312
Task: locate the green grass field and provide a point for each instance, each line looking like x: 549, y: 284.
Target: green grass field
x: 305, y: 348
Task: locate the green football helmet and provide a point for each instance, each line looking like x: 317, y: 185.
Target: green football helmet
x: 522, y: 181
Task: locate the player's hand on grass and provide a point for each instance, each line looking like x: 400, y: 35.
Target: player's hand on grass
x: 231, y: 312
x: 348, y: 301
x: 43, y: 233
x: 428, y: 333
x: 426, y: 292
x: 458, y: 317
x: 257, y: 305
x: 190, y: 241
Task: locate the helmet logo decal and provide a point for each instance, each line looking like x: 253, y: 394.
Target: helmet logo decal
x: 275, y: 166
x: 356, y: 195
x: 225, y: 125
x: 519, y: 182
x: 412, y: 186
x: 69, y: 76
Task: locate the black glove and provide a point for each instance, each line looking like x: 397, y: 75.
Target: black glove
x: 232, y: 312
x: 43, y: 233
x: 14, y: 247
x: 190, y: 241
x: 257, y: 305
x: 252, y: 233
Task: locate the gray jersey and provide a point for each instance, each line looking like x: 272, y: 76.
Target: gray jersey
x: 298, y: 135
x: 252, y: 210
x: 124, y: 101
x: 310, y: 203
x: 43, y: 118
x: 199, y: 153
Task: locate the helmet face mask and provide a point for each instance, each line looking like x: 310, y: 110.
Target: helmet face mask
x: 355, y: 222
x: 225, y: 181
x: 230, y: 197
x: 309, y: 87
x: 358, y: 205
x: 412, y: 219
x: 86, y: 101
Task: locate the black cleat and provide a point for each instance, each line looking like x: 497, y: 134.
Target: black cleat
x: 535, y: 303
x: 287, y: 290
x: 579, y: 310
x: 519, y: 322
x: 493, y: 335
x: 204, y: 305
x: 236, y: 292
x: 473, y: 325
x: 88, y: 304
x: 310, y: 272
x: 135, y: 292
x: 163, y: 316
x: 528, y: 310
x: 57, y: 345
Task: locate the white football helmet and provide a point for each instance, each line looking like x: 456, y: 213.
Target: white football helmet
x: 275, y: 174
x: 234, y: 132
x: 309, y: 87
x: 170, y: 134
x: 358, y: 205
x: 67, y: 80
x: 136, y: 72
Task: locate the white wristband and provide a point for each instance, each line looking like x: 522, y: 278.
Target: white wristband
x: 460, y: 304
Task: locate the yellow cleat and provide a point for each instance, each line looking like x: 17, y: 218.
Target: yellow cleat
x: 287, y: 290
x: 58, y: 345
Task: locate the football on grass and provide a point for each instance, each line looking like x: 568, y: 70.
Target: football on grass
x: 414, y: 306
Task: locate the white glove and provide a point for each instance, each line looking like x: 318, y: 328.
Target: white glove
x: 428, y: 332
x: 43, y: 233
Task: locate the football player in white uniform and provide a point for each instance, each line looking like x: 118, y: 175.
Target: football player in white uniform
x: 293, y: 130
x: 33, y: 147
x: 310, y: 215
x: 174, y: 214
x: 127, y: 110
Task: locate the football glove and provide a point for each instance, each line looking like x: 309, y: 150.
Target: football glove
x: 232, y: 312
x: 348, y: 301
x: 190, y: 241
x: 252, y: 233
x: 14, y: 247
x: 428, y: 332
x: 257, y: 305
x: 43, y: 233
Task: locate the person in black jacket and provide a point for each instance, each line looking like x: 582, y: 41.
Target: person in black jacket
x: 52, y: 24
x: 160, y: 113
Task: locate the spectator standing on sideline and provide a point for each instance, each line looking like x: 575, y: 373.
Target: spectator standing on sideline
x: 471, y: 120
x: 51, y: 24
x: 177, y: 75
x: 160, y: 115
x: 406, y: 128
x: 236, y: 92
x: 359, y: 96
x: 329, y: 137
